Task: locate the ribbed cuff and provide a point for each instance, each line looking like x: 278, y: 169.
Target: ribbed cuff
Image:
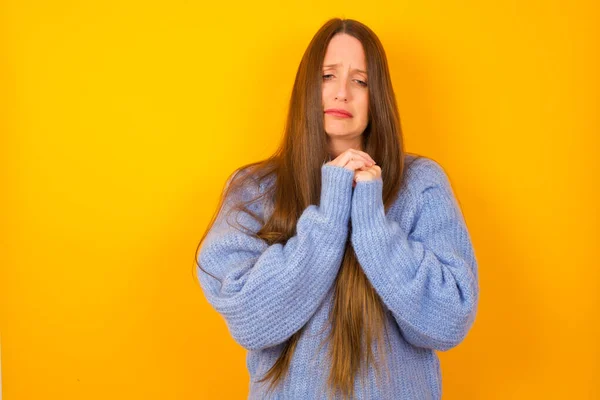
x: 336, y: 193
x: 368, y: 212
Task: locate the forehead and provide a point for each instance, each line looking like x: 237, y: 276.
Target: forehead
x: 345, y: 49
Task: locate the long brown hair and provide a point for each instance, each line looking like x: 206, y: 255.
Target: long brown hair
x: 358, y: 316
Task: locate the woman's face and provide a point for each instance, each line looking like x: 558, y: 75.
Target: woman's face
x: 345, y: 87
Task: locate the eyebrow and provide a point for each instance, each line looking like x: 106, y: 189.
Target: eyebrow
x: 337, y: 65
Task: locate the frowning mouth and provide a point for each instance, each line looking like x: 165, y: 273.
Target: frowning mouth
x: 337, y: 112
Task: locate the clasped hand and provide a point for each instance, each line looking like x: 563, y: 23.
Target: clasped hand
x: 361, y: 163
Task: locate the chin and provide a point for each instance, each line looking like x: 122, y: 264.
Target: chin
x: 339, y: 132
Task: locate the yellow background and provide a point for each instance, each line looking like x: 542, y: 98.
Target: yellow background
x: 122, y: 119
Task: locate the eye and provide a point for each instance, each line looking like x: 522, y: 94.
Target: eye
x: 361, y: 83
x: 327, y: 76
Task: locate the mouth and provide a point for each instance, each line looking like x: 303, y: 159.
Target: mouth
x: 336, y: 112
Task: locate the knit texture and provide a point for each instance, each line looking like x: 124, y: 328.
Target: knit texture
x: 418, y: 256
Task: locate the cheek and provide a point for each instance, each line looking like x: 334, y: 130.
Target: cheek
x: 364, y: 106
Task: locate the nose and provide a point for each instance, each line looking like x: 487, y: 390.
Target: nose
x: 342, y: 92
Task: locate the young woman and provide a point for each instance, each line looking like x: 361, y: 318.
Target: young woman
x: 341, y: 263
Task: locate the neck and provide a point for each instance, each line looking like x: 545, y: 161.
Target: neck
x: 338, y: 145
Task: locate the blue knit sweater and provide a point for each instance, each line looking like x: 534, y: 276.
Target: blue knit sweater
x: 418, y: 257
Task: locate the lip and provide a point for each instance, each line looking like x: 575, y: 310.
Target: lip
x: 338, y: 112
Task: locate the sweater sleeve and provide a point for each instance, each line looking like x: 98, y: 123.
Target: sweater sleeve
x: 426, y: 277
x: 267, y: 293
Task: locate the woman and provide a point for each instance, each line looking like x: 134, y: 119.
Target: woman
x: 341, y: 263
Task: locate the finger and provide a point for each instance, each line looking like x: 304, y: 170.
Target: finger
x: 364, y: 155
x: 346, y: 157
x: 351, y: 155
x: 366, y: 168
x: 353, y: 165
x: 361, y: 154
